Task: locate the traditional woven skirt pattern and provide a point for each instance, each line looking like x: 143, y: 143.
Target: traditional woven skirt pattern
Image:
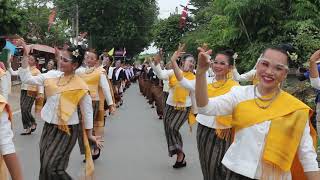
x: 173, y: 120
x: 26, y: 103
x: 55, y: 150
x: 117, y: 94
x: 95, y: 108
x: 211, y: 152
x: 235, y: 176
x: 141, y: 87
x: 148, y: 86
x: 158, y: 97
x: 151, y: 97
x: 165, y: 97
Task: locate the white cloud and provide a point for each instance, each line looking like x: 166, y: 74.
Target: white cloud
x: 169, y: 6
x: 150, y: 50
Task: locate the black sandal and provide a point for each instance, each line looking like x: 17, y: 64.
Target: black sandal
x: 180, y: 164
x: 28, y: 132
x: 96, y: 156
x: 34, y: 129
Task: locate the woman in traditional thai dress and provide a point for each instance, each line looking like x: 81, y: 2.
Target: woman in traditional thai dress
x: 213, y: 143
x: 8, y: 156
x: 178, y: 106
x: 65, y: 91
x: 29, y: 95
x: 273, y: 137
x: 95, y: 77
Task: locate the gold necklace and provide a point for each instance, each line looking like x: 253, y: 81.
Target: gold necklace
x: 90, y: 70
x: 219, y: 86
x: 58, y: 83
x: 271, y: 100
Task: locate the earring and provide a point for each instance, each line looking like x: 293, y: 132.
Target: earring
x: 228, y: 75
x: 281, y: 84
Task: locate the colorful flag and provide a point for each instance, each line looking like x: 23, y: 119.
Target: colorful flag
x: 11, y: 47
x: 52, y: 17
x: 110, y: 53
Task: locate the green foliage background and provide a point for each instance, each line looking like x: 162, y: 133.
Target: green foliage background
x: 248, y: 27
x: 29, y: 19
x: 114, y: 23
x: 109, y: 23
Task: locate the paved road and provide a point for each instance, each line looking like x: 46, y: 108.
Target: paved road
x: 135, y: 147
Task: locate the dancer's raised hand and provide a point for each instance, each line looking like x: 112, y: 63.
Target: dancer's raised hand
x: 158, y: 57
x: 204, y: 48
x: 203, y: 59
x: 179, y: 52
x: 315, y: 56
x: 97, y: 140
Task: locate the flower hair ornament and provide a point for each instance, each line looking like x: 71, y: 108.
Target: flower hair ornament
x: 76, y: 53
x: 293, y: 56
x: 235, y: 57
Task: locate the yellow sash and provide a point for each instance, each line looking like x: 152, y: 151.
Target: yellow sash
x: 2, y: 73
x: 52, y: 88
x: 70, y: 96
x: 71, y: 93
x: 33, y: 91
x: 288, y: 117
x: 92, y: 80
x: 180, y: 93
x: 34, y: 72
x: 39, y: 104
x: 217, y: 89
x: 111, y: 90
x: 101, y: 70
x: 100, y: 121
x: 255, y: 80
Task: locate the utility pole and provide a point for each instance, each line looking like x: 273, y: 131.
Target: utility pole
x: 77, y: 24
x: 73, y: 26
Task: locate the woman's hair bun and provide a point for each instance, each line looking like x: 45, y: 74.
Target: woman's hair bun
x: 185, y: 56
x: 77, y: 54
x: 229, y: 52
x: 287, y: 47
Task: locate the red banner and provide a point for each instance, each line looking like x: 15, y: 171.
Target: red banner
x: 183, y: 18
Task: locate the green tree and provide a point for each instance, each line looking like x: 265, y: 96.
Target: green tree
x: 10, y: 17
x: 112, y: 23
x: 167, y: 33
x: 249, y: 26
x: 35, y: 24
x: 29, y: 19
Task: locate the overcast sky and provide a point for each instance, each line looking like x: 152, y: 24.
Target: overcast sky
x: 169, y: 6
x: 166, y: 7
